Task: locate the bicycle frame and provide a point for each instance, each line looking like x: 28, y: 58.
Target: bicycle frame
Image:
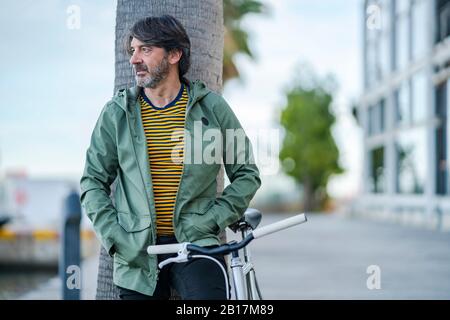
x: 252, y: 284
x: 245, y: 285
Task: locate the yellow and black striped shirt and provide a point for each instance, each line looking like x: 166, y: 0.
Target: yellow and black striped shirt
x: 164, y: 132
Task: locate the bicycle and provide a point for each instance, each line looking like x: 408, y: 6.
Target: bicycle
x: 245, y: 284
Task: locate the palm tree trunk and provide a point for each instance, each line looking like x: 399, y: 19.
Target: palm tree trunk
x: 203, y: 20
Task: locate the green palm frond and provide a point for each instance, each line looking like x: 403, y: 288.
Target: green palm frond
x: 236, y: 39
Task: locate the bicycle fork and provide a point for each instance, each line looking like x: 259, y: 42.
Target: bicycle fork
x: 244, y: 277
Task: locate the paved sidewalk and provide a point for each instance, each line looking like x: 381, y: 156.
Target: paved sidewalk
x: 327, y: 258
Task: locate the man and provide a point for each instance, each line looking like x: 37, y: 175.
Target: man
x: 146, y: 139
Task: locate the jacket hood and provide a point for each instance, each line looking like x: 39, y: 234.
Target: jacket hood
x: 127, y: 97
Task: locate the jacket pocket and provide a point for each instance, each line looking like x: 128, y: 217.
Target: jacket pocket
x: 197, y: 222
x: 132, y: 239
x: 198, y: 206
x: 132, y: 222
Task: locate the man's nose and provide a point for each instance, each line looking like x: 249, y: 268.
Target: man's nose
x: 135, y: 59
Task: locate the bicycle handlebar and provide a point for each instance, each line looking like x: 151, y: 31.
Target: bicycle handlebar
x: 229, y: 247
x: 280, y: 225
x: 177, y: 247
x: 165, y: 248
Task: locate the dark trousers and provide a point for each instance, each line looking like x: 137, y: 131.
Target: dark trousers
x: 196, y: 279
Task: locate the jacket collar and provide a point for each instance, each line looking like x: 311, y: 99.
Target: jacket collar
x: 127, y: 98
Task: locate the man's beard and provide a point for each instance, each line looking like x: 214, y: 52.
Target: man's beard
x: 156, y: 74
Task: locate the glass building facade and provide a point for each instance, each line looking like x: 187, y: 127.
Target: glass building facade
x: 404, y: 108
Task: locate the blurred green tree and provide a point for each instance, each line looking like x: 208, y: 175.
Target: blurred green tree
x: 309, y: 153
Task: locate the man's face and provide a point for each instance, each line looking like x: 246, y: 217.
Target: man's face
x: 151, y: 64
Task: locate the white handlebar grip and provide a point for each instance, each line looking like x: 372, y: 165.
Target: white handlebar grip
x: 280, y: 225
x: 164, y: 248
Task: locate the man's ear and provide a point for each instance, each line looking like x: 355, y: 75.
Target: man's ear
x: 174, y: 56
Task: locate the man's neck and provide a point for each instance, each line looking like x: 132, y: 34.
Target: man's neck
x: 164, y: 93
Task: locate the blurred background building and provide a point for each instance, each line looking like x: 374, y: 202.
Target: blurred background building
x: 404, y: 110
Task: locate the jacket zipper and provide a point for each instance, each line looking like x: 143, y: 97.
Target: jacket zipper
x: 188, y: 108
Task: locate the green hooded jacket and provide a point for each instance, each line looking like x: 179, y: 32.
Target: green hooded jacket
x: 126, y: 223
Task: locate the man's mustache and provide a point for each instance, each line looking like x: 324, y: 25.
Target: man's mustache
x: 140, y: 67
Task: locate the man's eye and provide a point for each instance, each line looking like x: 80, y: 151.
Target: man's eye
x: 146, y: 49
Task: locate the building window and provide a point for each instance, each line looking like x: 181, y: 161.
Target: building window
x: 411, y: 100
x: 376, y: 118
x: 443, y: 20
x: 402, y: 104
x: 419, y: 29
x: 402, y: 40
x: 442, y: 182
x: 411, y: 160
x: 377, y: 178
x: 419, y: 103
x: 385, y: 55
x: 402, y: 6
x: 372, y: 70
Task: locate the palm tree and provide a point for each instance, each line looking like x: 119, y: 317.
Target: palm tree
x: 236, y: 38
x: 203, y: 20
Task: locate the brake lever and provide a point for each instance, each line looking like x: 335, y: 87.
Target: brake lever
x: 182, y: 256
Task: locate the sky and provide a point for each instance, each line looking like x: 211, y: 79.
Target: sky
x: 55, y: 79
